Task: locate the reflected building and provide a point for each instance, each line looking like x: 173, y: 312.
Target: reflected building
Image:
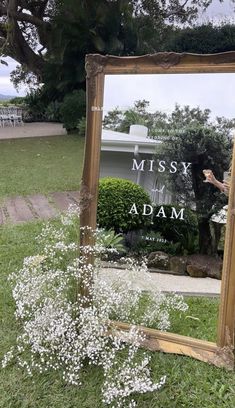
x: 129, y: 155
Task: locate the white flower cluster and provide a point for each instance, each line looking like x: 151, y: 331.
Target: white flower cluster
x: 63, y: 327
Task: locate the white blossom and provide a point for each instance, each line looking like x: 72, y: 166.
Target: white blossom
x: 62, y: 327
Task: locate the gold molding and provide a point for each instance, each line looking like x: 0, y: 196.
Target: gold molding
x: 220, y: 353
x: 93, y: 66
x: 166, y: 59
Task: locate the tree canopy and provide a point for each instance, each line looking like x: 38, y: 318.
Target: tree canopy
x: 202, y: 39
x: 50, y: 38
x: 40, y: 32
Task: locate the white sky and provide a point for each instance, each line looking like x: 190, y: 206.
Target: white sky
x: 6, y: 87
x: 216, y: 11
x: 219, y: 11
x: 163, y: 91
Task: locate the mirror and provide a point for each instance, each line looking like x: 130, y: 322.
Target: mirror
x: 162, y: 126
x: 161, y: 132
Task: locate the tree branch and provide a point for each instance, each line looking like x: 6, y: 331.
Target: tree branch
x: 3, y: 39
x: 37, y: 8
x: 20, y: 16
x: 3, y: 10
x: 12, y: 6
x: 4, y: 48
x: 29, y: 18
x: 23, y: 53
x: 2, y: 42
x: 3, y: 31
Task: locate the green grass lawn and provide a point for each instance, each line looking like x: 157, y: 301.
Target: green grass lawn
x: 190, y: 383
x: 200, y: 320
x: 40, y: 165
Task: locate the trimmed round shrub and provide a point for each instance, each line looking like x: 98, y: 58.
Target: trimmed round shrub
x: 116, y: 198
x: 175, y: 229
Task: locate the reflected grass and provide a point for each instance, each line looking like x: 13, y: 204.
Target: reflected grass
x: 200, y: 320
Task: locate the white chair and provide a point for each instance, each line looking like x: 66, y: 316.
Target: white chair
x: 5, y: 120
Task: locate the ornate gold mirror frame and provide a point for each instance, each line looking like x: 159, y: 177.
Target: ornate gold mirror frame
x: 220, y: 353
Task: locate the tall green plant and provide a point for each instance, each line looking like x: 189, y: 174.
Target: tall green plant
x: 73, y: 109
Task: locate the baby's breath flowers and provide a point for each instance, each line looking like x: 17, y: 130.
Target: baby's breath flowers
x: 63, y: 330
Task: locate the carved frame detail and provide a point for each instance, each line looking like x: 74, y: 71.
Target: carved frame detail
x: 220, y: 353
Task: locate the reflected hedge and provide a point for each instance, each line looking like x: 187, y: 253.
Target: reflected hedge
x: 116, y: 198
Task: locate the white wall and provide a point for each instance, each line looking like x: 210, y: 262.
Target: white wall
x: 119, y: 164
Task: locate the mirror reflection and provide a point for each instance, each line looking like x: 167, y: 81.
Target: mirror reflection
x: 164, y: 182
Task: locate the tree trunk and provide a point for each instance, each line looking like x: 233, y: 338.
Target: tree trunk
x: 216, y: 235
x: 205, y: 238
x: 24, y: 54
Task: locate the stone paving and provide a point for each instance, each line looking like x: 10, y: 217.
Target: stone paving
x: 36, y: 129
x: 185, y: 285
x: 38, y: 206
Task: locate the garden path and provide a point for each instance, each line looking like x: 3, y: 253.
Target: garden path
x: 165, y: 282
x: 36, y: 129
x: 38, y: 206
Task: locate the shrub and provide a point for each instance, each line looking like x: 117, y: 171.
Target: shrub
x: 73, y: 109
x: 116, y: 197
x: 36, y: 106
x: 17, y: 100
x: 53, y: 111
x: 112, y: 244
x: 82, y: 126
x: 184, y: 232
x: 109, y: 239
